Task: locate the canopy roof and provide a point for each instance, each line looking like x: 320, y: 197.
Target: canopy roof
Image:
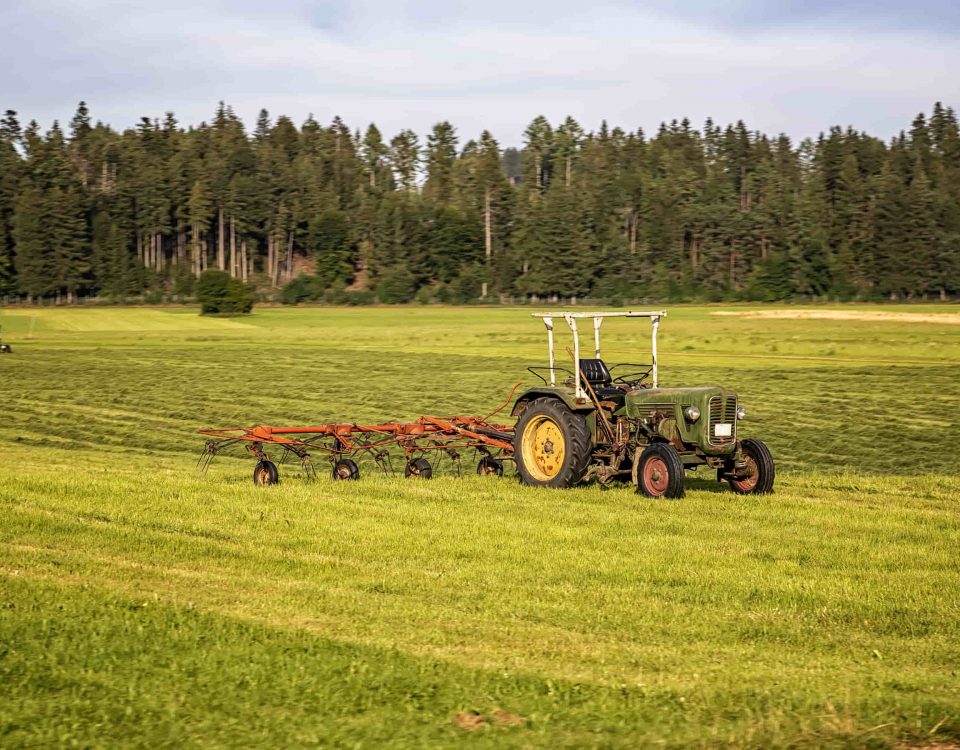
x: 630, y: 314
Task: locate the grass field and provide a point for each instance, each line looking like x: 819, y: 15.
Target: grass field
x: 144, y: 605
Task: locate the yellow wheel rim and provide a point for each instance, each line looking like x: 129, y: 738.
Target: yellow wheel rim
x: 543, y: 448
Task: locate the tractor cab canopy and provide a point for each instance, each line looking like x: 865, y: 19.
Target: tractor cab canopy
x: 594, y: 372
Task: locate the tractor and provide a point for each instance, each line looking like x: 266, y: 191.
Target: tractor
x: 615, y: 422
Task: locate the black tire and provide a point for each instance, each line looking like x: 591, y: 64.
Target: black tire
x: 265, y: 473
x: 488, y: 466
x: 533, y: 457
x: 660, y: 472
x: 345, y: 469
x: 760, y: 460
x: 419, y: 468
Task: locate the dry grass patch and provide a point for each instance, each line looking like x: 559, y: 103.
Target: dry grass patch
x: 869, y: 316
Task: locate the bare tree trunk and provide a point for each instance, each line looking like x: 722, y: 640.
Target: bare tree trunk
x: 139, y: 248
x: 195, y: 250
x: 733, y: 266
x: 763, y: 247
x: 487, y: 228
x: 694, y: 250
x: 221, y: 249
x: 633, y: 232
x: 270, y: 257
x: 290, y: 258
x: 243, y: 261
x: 233, y: 248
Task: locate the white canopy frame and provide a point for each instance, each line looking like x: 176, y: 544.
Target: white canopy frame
x: 597, y: 317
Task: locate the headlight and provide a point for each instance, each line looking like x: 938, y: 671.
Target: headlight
x: 741, y: 412
x: 692, y: 413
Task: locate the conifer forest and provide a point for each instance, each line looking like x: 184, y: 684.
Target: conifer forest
x: 325, y: 211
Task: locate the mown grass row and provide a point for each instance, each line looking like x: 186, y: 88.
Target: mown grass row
x: 808, y: 617
x: 141, y: 604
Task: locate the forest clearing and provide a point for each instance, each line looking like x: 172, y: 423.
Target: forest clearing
x: 144, y: 604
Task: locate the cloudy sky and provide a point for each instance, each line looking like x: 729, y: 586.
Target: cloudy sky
x: 795, y: 66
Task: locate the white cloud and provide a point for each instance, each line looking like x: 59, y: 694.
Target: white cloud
x: 411, y: 64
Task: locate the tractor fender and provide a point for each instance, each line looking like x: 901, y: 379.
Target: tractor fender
x: 571, y: 402
x: 584, y: 407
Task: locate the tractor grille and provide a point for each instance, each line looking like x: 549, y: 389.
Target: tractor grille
x: 722, y: 411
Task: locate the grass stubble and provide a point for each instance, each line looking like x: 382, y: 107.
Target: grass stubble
x: 142, y: 605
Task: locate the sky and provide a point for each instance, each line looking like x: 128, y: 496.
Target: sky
x: 781, y: 66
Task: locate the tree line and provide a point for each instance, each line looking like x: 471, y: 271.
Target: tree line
x: 716, y: 213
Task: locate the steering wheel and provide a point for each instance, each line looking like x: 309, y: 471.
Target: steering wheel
x: 637, y: 381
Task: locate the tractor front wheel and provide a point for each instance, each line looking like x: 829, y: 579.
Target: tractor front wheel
x: 265, y: 473
x: 551, y: 444
x: 660, y: 471
x: 760, y: 470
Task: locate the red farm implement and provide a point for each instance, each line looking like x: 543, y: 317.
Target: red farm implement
x: 412, y: 443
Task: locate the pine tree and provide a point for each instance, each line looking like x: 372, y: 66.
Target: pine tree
x: 441, y: 154
x: 11, y: 169
x: 34, y: 263
x: 404, y: 157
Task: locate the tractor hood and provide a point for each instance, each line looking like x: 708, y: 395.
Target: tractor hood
x: 697, y: 395
x: 715, y: 429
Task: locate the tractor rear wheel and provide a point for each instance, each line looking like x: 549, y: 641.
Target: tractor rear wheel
x: 265, y: 473
x: 551, y: 444
x: 660, y: 471
x: 761, y: 470
x: 346, y: 468
x: 419, y: 468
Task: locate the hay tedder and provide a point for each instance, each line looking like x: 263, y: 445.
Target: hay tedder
x: 344, y: 444
x: 587, y: 421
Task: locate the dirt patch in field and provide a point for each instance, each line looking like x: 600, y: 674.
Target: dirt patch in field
x: 872, y: 316
x: 506, y: 718
x: 469, y: 720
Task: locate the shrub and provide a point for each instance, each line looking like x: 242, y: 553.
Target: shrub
x: 397, y: 286
x: 335, y: 296
x: 220, y: 294
x: 302, y: 289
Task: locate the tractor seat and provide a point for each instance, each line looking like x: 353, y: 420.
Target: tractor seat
x: 596, y: 372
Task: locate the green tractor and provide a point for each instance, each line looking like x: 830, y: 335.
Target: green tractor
x: 594, y: 421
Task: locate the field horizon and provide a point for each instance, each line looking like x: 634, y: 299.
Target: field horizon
x: 144, y: 604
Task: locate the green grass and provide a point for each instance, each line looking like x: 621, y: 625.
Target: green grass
x: 142, y: 605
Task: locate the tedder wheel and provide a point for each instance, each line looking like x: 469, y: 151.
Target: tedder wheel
x: 419, y: 468
x: 264, y: 473
x: 489, y: 466
x: 551, y: 444
x: 760, y: 469
x: 660, y: 471
x: 346, y: 468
